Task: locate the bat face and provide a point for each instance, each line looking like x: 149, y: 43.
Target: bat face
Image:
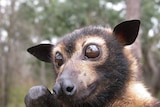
x: 90, y: 64
x: 75, y: 62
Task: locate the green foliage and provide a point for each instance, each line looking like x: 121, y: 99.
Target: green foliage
x: 16, y: 97
x: 58, y: 18
x: 148, y: 11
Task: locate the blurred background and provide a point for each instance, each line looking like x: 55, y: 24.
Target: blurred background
x: 24, y: 23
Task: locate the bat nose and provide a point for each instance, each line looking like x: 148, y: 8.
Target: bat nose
x: 68, y: 87
x: 64, y: 87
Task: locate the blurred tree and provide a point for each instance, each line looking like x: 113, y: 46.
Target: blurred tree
x: 12, y: 42
x: 7, y: 67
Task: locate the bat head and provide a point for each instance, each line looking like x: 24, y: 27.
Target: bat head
x: 89, y: 62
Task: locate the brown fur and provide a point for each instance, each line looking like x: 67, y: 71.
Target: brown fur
x: 136, y: 94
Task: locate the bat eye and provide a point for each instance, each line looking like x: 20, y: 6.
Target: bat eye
x: 59, y: 59
x: 92, y: 51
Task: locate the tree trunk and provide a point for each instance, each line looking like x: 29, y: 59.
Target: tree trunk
x: 8, y: 61
x: 156, y: 74
x: 3, y: 95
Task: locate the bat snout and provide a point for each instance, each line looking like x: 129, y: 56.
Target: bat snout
x: 65, y: 87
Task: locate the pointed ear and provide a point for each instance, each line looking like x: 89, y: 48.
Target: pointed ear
x: 42, y: 52
x: 127, y: 31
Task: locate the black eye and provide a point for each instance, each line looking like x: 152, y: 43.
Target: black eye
x: 59, y: 59
x: 92, y: 51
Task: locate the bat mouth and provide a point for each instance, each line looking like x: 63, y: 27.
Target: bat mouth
x: 85, y: 94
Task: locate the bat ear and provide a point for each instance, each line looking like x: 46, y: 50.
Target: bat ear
x: 127, y: 31
x: 42, y: 52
